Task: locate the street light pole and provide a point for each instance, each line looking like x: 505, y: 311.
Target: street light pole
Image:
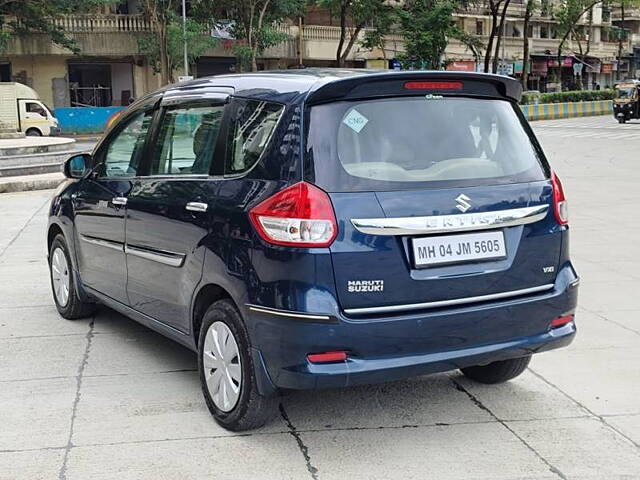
x: 184, y: 37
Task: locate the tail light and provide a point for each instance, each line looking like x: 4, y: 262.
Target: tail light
x: 298, y: 216
x: 560, y: 206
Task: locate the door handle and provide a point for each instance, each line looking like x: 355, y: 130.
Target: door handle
x: 119, y: 201
x: 197, y: 207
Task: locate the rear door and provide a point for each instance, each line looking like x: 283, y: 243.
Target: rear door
x: 169, y: 210
x: 438, y: 199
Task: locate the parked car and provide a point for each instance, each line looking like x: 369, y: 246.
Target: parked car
x: 22, y: 110
x: 322, y: 228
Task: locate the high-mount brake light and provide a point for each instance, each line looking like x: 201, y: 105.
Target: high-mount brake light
x: 560, y: 206
x: 433, y: 85
x: 298, y: 216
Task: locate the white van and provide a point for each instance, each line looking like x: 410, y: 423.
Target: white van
x: 21, y: 109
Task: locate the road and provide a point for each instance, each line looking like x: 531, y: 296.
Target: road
x: 106, y: 398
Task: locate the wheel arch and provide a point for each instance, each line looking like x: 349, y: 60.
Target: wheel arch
x: 53, y: 231
x: 206, y: 296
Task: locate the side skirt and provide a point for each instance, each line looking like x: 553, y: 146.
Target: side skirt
x: 146, y: 320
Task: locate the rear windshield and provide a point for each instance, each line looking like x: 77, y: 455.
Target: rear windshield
x: 418, y: 142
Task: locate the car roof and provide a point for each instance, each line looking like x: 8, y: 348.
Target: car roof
x: 321, y: 84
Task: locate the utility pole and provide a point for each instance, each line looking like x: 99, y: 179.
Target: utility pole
x: 184, y: 37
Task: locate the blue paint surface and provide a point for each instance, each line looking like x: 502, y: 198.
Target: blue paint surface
x: 77, y: 120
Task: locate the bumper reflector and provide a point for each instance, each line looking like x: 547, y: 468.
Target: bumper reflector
x: 327, y: 357
x: 561, y: 321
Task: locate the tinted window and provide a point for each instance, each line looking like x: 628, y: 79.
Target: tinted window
x: 124, y: 150
x: 251, y: 127
x: 186, y: 140
x: 415, y: 142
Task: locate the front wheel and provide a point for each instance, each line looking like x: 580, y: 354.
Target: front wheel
x: 33, y: 132
x: 227, y: 374
x: 497, y: 372
x: 67, y: 301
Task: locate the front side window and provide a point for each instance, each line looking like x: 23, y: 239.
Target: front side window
x: 415, y: 142
x: 124, y: 151
x: 36, y: 108
x: 187, y: 140
x: 251, y: 127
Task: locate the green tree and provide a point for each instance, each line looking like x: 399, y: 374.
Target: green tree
x: 427, y: 26
x: 197, y: 38
x: 24, y: 17
x: 567, y: 15
x: 253, y: 23
x: 530, y: 9
x: 354, y: 16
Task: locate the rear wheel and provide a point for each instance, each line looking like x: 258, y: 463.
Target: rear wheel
x: 227, y: 372
x: 69, y: 305
x: 497, y: 372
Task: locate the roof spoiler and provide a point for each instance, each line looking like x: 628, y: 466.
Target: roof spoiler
x: 381, y: 84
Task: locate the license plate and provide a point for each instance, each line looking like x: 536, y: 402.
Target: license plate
x: 447, y: 249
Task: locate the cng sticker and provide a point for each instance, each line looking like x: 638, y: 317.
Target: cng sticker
x: 355, y: 120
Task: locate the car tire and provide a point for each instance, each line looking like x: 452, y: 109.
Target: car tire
x: 62, y: 277
x: 33, y: 132
x: 497, y: 372
x: 247, y: 408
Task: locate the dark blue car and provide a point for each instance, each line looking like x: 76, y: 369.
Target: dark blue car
x: 322, y: 228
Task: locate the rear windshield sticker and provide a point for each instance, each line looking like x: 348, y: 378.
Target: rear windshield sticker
x: 355, y: 120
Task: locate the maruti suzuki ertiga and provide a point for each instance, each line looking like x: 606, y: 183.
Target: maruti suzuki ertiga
x: 322, y: 228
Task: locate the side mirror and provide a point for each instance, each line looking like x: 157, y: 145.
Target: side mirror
x: 77, y: 166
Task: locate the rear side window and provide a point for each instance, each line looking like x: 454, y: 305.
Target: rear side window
x: 417, y: 142
x: 187, y: 140
x: 251, y: 127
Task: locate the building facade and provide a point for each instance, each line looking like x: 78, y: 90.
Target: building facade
x: 110, y: 70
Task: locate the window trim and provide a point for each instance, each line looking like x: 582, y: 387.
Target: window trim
x: 227, y: 153
x: 101, y: 149
x: 174, y: 104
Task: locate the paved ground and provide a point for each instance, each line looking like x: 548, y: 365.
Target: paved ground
x: 105, y: 398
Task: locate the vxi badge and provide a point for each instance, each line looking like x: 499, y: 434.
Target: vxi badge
x: 355, y: 286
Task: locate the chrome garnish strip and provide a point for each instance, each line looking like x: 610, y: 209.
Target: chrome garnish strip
x: 448, y: 303
x: 103, y: 243
x: 287, y: 313
x: 450, y: 223
x: 166, y: 258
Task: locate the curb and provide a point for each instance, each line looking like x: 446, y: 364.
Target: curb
x: 552, y: 111
x: 24, y: 184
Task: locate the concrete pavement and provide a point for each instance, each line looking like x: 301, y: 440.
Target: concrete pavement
x: 107, y: 398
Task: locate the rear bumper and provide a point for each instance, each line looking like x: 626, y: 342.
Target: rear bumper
x: 400, y: 346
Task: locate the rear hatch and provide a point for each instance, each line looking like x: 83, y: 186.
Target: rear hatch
x: 441, y: 199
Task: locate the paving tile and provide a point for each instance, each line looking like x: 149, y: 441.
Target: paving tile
x: 478, y: 451
x: 428, y: 400
x: 229, y: 458
x: 41, y: 357
x: 38, y: 322
x: 31, y: 465
x: 629, y: 425
x: 36, y: 413
x: 582, y: 448
x: 607, y: 381
x: 524, y: 398
x: 135, y: 408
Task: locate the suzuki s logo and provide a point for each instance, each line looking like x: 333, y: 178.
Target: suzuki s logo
x: 463, y: 202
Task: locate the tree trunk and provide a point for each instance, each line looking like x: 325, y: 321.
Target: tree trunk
x: 352, y: 40
x: 343, y: 34
x: 525, y: 44
x: 494, y: 26
x: 165, y: 74
x: 500, y: 32
x: 620, y: 35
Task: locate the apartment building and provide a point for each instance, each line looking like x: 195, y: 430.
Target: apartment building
x: 110, y: 70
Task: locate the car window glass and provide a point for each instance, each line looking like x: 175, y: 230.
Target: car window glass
x: 252, y: 125
x: 187, y: 140
x: 35, y: 108
x: 125, y: 149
